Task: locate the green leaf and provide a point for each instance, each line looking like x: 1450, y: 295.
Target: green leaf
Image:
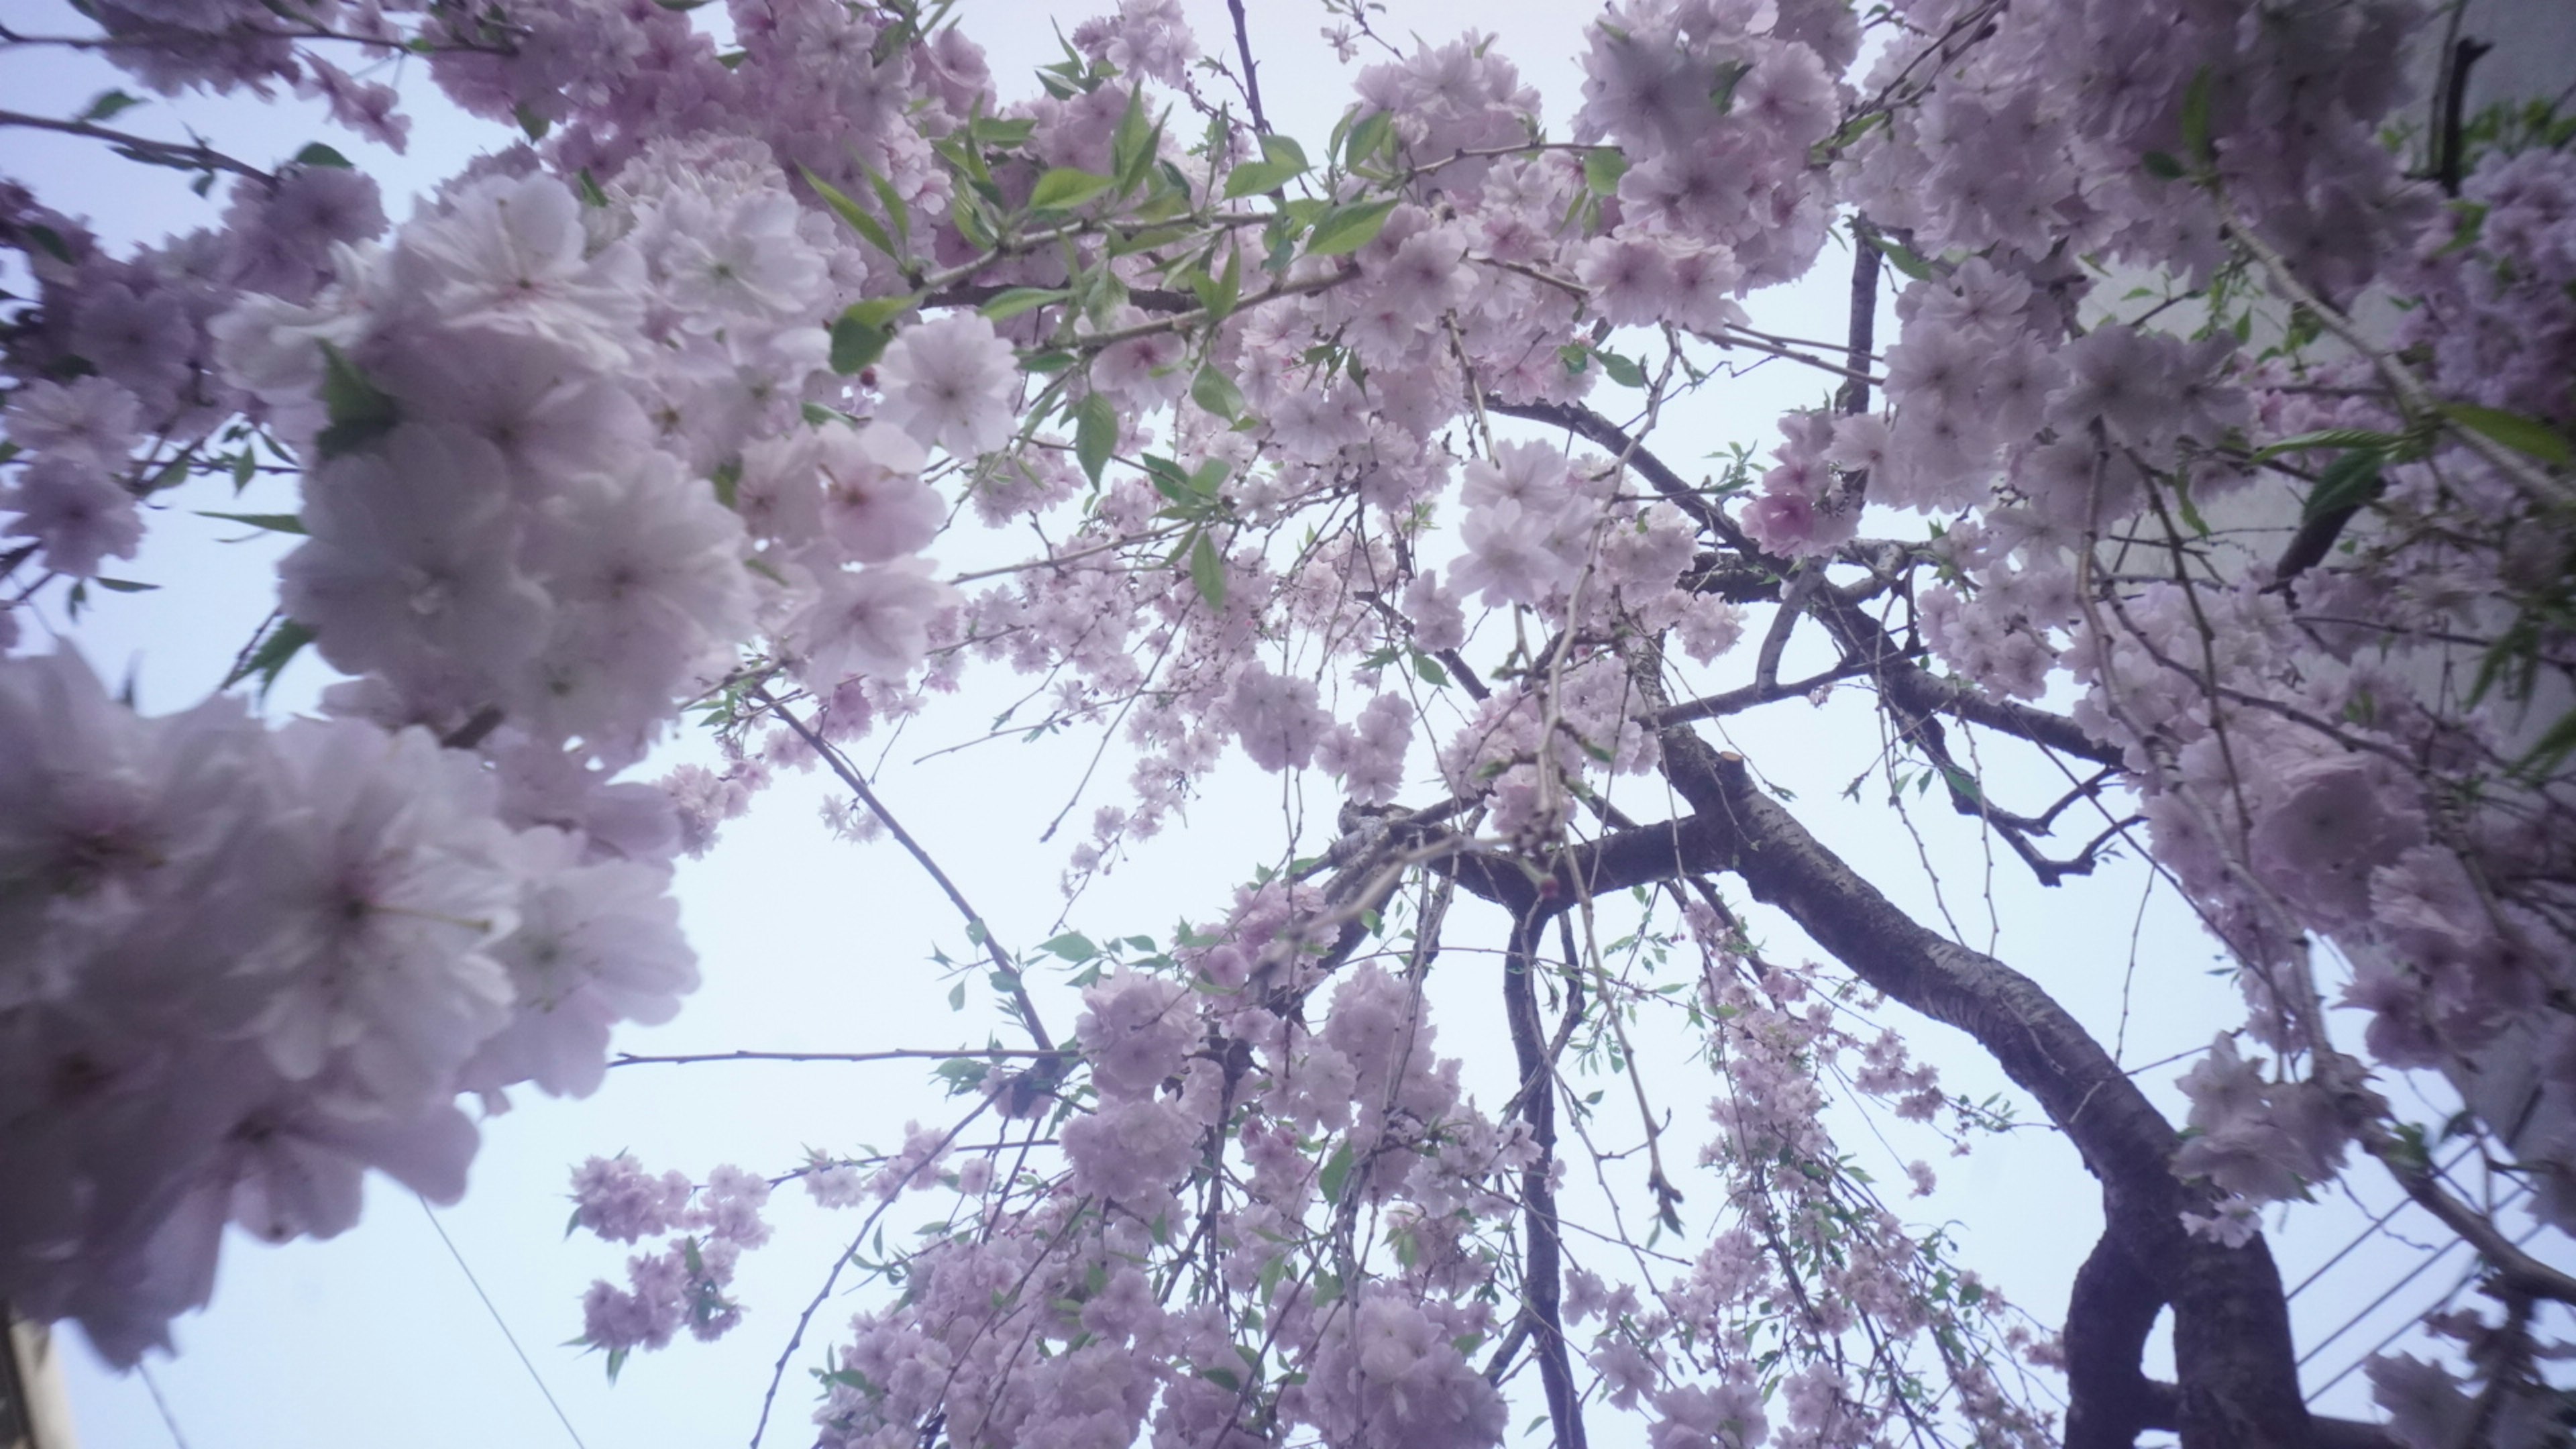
x: 862, y: 331
x: 1016, y: 300
x: 1095, y: 434
x: 1066, y: 187
x: 1283, y: 151
x: 2552, y: 749
x: 51, y: 241
x: 1072, y: 946
x: 1215, y: 392
x: 998, y: 131
x: 1623, y: 371
x: 267, y: 661
x: 1132, y: 145
x: 897, y: 214
x: 850, y: 211
x: 1602, y: 168
x: 2162, y: 166
x: 1171, y: 482
x: 1337, y: 1171
x: 1207, y: 570
x: 2329, y: 438
x: 1730, y: 74
x: 1900, y: 256
x: 2195, y: 118
x: 360, y: 412
x: 2522, y: 434
x: 1282, y: 161
x: 588, y: 186
x: 318, y: 154
x: 1219, y: 294
x: 273, y: 522
x: 1367, y: 138
x: 1348, y: 227
x: 536, y: 127
x: 1429, y: 670
x: 107, y: 104
x: 966, y: 213
x: 1855, y: 128
x: 122, y: 586
x: 1253, y: 177
x: 2348, y: 482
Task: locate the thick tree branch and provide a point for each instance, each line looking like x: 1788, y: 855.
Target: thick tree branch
x: 1542, y: 1270
x: 1251, y: 71
x: 2232, y: 1335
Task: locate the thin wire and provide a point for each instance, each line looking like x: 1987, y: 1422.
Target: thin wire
x: 497, y: 1322
x: 2413, y: 1323
x: 2375, y: 1225
x: 169, y: 1420
x: 2417, y: 1271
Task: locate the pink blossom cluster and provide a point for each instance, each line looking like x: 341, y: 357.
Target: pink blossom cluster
x: 684, y: 1284
x: 242, y: 966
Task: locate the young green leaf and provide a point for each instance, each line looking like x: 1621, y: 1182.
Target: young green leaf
x: 856, y: 342
x: 1219, y: 294
x: 266, y: 662
x: 106, y: 104
x: 2522, y: 434
x: 1065, y: 187
x: 1602, y: 168
x: 850, y: 211
x: 1207, y: 570
x: 1095, y: 434
x: 1348, y: 227
x: 1012, y: 301
x: 1072, y: 946
x: 360, y: 412
x: 2348, y: 482
x: 1337, y: 1171
x: 1215, y: 392
x: 1367, y: 138
x: 1621, y: 370
x: 2195, y: 118
x: 273, y: 522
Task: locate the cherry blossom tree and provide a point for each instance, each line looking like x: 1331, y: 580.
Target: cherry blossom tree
x: 2205, y: 511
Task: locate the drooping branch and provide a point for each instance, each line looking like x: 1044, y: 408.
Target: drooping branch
x: 184, y: 155
x: 1023, y: 1007
x: 1542, y: 1273
x: 2239, y: 1376
x: 2232, y: 1336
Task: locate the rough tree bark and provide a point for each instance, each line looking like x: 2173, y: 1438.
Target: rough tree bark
x: 2238, y: 1380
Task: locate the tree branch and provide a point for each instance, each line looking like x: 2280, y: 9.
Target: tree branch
x: 193, y: 156
x: 1541, y: 1277
x: 1251, y: 78
x: 975, y: 924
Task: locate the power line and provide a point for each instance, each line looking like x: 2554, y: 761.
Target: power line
x: 497, y: 1322
x: 2428, y: 1261
x: 169, y: 1420
x: 2402, y: 1329
x: 2375, y: 1225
